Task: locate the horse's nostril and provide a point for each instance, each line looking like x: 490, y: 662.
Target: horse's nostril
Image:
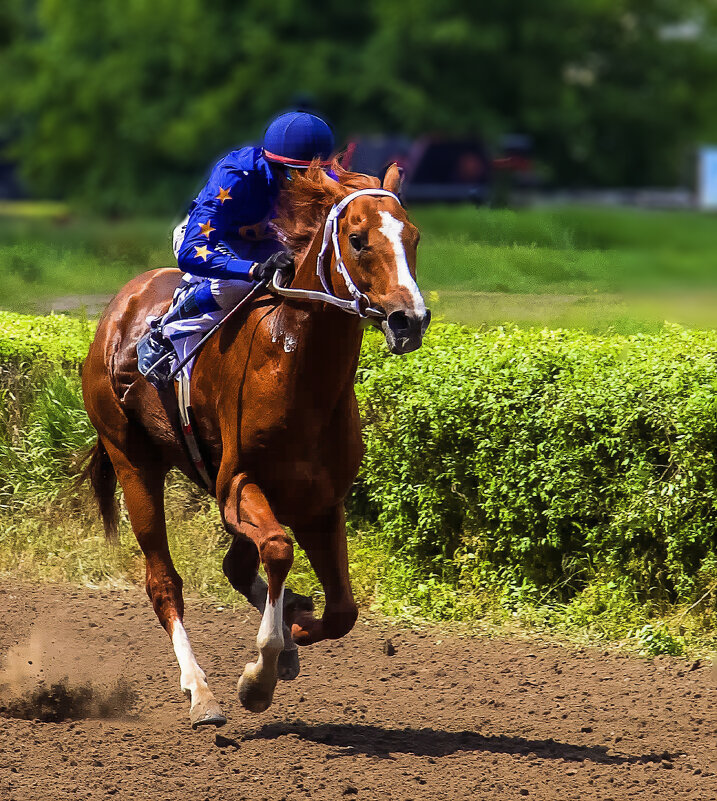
x: 426, y: 321
x: 399, y: 323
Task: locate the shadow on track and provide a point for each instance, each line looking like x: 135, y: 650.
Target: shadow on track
x: 382, y: 742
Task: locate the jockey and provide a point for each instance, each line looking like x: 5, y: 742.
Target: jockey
x: 225, y: 244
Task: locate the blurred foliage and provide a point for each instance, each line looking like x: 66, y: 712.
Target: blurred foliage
x: 123, y: 105
x: 594, y: 268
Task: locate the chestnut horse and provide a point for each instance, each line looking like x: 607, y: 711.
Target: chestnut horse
x: 273, y: 399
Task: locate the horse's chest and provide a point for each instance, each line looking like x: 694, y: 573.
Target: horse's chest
x: 305, y: 461
x: 299, y: 441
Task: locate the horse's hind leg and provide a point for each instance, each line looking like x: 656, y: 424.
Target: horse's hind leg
x: 247, y: 512
x: 144, y: 497
x: 240, y: 566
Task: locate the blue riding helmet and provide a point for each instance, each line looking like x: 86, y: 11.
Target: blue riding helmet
x: 296, y: 138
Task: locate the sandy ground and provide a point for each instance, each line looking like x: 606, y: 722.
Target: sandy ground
x: 443, y: 717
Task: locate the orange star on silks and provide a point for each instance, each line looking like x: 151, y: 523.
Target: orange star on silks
x: 223, y: 195
x: 202, y: 253
x: 206, y: 228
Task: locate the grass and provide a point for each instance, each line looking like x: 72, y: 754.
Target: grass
x: 61, y: 539
x: 593, y: 268
x: 46, y: 260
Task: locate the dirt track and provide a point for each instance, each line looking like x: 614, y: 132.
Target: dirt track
x: 443, y: 718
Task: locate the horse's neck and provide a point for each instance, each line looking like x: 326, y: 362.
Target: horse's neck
x: 306, y: 273
x: 331, y: 338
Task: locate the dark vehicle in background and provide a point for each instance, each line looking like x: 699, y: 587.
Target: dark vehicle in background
x: 442, y: 170
x: 10, y: 188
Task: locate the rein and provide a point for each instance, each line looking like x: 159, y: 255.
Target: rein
x: 360, y: 305
x: 243, y: 302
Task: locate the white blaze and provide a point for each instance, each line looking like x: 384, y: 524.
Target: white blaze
x: 392, y: 228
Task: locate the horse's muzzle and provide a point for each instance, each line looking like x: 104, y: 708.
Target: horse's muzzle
x: 404, y: 330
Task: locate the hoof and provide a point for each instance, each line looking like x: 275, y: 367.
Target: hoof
x: 253, y: 696
x: 208, y: 715
x: 288, y: 664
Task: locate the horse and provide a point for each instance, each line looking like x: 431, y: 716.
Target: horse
x: 275, y: 410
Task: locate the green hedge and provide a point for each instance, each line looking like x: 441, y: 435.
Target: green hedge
x: 532, y: 459
x: 25, y: 338
x: 539, y: 458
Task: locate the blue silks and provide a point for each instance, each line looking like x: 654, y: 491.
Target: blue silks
x: 226, y: 230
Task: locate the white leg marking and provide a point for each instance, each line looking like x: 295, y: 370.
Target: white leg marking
x: 257, y: 682
x: 391, y: 228
x: 192, y: 678
x: 258, y: 597
x: 271, y: 632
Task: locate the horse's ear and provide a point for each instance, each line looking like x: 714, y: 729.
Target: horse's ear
x: 331, y: 187
x: 393, y: 179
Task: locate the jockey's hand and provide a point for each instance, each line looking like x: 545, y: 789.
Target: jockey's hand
x: 282, y: 261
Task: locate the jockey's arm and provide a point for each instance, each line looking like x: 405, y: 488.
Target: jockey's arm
x: 212, y: 246
x: 209, y: 256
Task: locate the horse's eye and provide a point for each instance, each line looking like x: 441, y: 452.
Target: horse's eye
x: 355, y: 241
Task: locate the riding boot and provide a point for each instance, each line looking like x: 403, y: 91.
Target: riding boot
x: 154, y: 355
x: 154, y: 350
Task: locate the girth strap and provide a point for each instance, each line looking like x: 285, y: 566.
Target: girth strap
x: 185, y: 415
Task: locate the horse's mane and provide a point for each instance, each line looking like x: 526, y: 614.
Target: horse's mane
x: 304, y: 200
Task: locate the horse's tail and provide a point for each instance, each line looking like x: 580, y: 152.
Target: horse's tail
x: 103, y: 479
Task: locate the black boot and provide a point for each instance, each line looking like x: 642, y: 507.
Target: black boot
x: 154, y: 357
x: 154, y: 351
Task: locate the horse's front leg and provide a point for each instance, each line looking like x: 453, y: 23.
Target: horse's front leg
x: 324, y: 540
x: 240, y: 566
x: 246, y: 510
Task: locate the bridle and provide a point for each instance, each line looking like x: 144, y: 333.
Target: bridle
x: 360, y: 303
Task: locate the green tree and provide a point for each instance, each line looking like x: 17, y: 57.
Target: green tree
x: 123, y: 104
